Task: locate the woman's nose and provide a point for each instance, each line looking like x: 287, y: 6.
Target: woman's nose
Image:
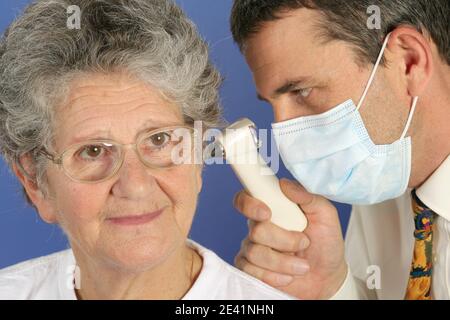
x: 134, y: 180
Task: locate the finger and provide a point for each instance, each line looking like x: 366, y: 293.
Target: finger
x: 270, y: 235
x: 274, y: 261
x: 250, y: 207
x: 309, y: 203
x: 271, y: 278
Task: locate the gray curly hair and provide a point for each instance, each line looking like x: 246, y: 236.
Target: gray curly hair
x: 39, y: 56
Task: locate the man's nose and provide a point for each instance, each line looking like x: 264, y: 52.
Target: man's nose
x: 284, y: 109
x: 135, y: 181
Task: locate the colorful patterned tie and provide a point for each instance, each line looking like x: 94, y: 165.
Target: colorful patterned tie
x: 419, y: 284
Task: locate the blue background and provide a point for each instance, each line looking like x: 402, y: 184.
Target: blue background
x: 217, y: 225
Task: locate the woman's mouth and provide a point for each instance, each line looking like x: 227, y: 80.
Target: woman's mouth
x: 133, y: 220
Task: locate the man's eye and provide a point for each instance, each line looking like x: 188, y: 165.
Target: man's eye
x: 304, y: 93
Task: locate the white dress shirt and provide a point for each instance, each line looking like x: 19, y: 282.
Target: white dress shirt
x: 52, y: 277
x: 380, y: 238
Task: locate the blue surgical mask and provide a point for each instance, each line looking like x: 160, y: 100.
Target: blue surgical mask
x: 332, y: 154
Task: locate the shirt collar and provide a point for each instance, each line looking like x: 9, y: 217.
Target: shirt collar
x: 435, y: 192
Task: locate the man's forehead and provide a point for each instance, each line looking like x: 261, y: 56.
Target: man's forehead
x: 295, y: 30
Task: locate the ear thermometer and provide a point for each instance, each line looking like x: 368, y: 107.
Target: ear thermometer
x: 239, y: 146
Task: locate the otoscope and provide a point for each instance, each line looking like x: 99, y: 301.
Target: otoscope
x: 239, y: 145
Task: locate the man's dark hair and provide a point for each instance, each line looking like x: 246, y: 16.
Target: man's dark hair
x: 347, y: 20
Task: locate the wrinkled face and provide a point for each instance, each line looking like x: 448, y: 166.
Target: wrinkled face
x: 299, y: 75
x: 137, y: 218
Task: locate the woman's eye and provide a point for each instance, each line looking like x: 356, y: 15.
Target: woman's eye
x: 159, y: 139
x: 91, y: 152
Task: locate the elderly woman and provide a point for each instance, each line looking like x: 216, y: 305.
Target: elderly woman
x: 88, y: 123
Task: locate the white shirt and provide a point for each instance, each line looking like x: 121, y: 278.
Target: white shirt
x: 52, y: 277
x: 381, y: 236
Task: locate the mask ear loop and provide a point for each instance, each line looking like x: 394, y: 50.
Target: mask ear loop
x: 374, y: 70
x: 411, y: 114
x: 369, y: 83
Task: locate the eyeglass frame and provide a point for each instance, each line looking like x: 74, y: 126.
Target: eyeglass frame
x: 57, y: 158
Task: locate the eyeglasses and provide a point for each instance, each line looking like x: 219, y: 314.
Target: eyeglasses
x: 95, y: 161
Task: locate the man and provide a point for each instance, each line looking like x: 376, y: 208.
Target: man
x: 362, y: 116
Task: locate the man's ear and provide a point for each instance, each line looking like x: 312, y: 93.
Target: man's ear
x: 25, y: 172
x: 413, y: 49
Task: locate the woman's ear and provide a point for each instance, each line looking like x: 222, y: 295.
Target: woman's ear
x: 413, y: 50
x: 199, y: 177
x: 26, y: 173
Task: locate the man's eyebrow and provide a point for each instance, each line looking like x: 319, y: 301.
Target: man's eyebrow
x: 289, y: 85
x: 260, y: 97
